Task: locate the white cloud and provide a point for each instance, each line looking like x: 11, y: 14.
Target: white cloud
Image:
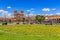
x: 30, y: 14
x: 1, y: 11
x: 9, y: 15
x: 58, y: 13
x: 50, y: 14
x: 54, y: 9
x: 5, y: 13
x: 28, y: 10
x: 32, y: 9
x: 9, y: 7
x: 46, y: 9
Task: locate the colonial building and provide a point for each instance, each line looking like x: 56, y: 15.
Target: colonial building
x: 54, y: 18
x: 20, y: 17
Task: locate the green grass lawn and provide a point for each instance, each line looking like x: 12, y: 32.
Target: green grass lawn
x: 30, y: 32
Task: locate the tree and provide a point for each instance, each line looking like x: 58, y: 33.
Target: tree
x: 39, y: 18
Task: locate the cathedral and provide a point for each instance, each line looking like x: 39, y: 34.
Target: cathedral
x: 20, y: 17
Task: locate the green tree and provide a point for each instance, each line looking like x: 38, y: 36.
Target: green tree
x: 39, y: 18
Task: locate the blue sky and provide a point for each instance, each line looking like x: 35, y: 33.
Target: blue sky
x: 38, y: 6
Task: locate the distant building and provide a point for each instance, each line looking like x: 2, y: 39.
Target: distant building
x: 54, y: 18
x: 20, y: 16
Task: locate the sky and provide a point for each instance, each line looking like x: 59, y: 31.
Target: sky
x: 42, y: 7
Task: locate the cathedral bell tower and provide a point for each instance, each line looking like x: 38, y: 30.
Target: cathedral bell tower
x: 15, y: 12
x: 21, y: 13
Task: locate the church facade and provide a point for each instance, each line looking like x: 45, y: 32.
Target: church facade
x: 20, y: 17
